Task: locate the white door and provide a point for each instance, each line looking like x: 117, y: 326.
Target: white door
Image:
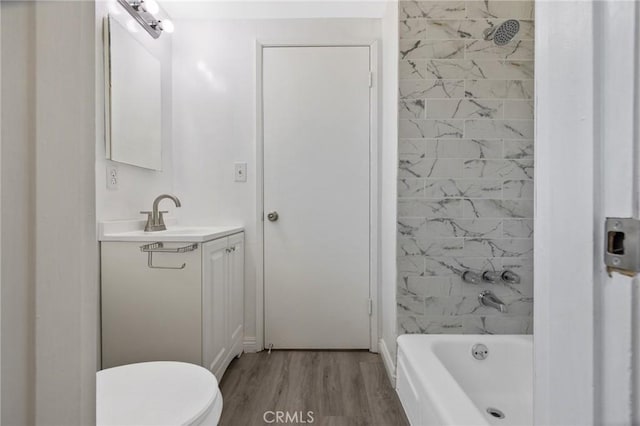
x: 215, y: 345
x: 316, y: 106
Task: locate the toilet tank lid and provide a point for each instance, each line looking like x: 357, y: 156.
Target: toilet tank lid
x: 154, y: 393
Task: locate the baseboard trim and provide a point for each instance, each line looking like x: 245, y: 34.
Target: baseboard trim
x: 388, y: 361
x: 250, y: 345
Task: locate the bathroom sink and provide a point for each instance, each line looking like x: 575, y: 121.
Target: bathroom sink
x: 121, y: 231
x: 183, y: 231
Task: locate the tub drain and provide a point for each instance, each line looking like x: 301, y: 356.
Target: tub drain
x: 495, y: 413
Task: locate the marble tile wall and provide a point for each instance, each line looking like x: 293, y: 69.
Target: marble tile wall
x: 465, y: 178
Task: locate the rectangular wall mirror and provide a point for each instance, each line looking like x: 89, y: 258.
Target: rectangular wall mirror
x: 133, y: 99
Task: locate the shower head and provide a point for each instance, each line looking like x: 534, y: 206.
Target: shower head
x: 503, y: 33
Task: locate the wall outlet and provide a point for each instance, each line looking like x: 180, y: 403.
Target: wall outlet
x: 241, y: 172
x: 112, y: 178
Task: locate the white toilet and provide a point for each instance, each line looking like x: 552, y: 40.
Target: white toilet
x: 157, y: 393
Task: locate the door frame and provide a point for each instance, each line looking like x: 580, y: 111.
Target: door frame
x: 587, y: 328
x: 374, y: 184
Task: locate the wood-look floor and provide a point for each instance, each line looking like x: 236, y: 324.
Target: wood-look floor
x: 342, y: 388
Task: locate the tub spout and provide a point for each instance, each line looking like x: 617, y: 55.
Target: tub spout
x: 487, y: 298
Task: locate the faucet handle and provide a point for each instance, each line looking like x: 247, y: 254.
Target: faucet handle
x: 510, y: 277
x: 149, y: 225
x: 471, y: 277
x: 161, y: 218
x: 491, y: 276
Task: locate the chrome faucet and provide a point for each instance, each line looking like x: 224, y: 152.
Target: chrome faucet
x: 487, y: 298
x: 155, y: 219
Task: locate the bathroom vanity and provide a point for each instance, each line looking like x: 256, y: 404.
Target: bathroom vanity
x: 174, y: 295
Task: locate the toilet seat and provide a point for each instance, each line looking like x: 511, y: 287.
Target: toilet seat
x: 157, y: 393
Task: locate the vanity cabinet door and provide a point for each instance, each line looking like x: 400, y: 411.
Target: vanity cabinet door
x: 236, y: 293
x: 150, y: 314
x: 215, y: 293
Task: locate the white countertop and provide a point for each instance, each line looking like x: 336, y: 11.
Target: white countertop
x: 133, y: 230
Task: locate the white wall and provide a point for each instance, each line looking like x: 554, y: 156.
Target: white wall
x: 283, y: 9
x: 137, y: 186
x: 388, y: 185
x: 214, y: 117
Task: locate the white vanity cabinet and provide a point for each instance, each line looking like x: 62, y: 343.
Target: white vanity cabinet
x: 222, y: 302
x: 194, y: 314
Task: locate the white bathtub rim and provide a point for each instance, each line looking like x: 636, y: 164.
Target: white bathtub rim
x: 447, y: 388
x: 440, y: 385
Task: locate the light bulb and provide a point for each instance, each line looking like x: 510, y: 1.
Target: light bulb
x: 150, y: 6
x: 167, y: 26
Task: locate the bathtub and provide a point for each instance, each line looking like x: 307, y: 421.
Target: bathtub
x: 439, y: 381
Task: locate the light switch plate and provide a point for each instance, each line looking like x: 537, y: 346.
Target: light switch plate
x: 112, y: 178
x: 241, y: 172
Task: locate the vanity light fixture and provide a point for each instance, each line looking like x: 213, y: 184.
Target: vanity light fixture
x: 143, y: 12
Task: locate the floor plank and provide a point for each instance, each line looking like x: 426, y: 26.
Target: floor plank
x: 347, y: 388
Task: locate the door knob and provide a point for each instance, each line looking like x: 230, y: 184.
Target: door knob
x: 273, y: 216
